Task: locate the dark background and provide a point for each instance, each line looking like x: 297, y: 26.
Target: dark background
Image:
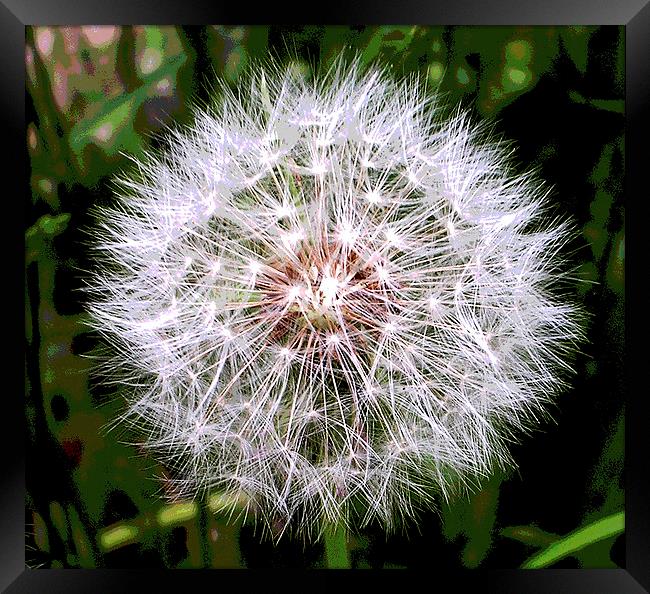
x: 93, y: 94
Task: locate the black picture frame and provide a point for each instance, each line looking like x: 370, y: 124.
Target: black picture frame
x: 633, y: 14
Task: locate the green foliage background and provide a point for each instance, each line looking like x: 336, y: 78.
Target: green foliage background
x: 97, y: 94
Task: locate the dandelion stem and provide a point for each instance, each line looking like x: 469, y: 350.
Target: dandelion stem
x: 336, y: 548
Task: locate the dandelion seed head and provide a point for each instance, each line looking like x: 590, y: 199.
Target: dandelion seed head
x: 324, y: 299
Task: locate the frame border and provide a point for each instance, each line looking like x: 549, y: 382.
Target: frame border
x: 634, y: 14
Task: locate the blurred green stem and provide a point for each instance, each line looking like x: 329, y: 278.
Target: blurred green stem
x: 336, y: 548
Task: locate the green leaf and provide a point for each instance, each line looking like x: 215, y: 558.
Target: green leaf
x: 601, y: 171
x: 49, y: 225
x: 392, y: 41
x: 530, y: 535
x: 177, y: 513
x: 117, y: 536
x: 81, y: 540
x: 611, y: 105
x: 581, y: 538
x: 112, y: 127
x: 576, y: 42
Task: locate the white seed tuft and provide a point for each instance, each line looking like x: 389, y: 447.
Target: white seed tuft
x: 323, y: 297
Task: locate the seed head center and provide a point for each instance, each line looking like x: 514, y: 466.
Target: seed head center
x: 321, y: 289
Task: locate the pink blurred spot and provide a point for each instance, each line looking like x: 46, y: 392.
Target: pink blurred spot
x: 31, y: 136
x: 29, y: 63
x: 75, y: 66
x: 104, y: 132
x: 100, y: 35
x: 44, y: 41
x: 70, y: 39
x: 163, y: 87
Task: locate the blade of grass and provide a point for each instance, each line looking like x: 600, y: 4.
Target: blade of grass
x: 577, y: 540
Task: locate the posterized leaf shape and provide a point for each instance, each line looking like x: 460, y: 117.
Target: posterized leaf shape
x: 611, y: 105
x: 113, y: 127
x: 576, y: 41
x: 583, y: 537
x: 388, y: 40
x: 530, y: 535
